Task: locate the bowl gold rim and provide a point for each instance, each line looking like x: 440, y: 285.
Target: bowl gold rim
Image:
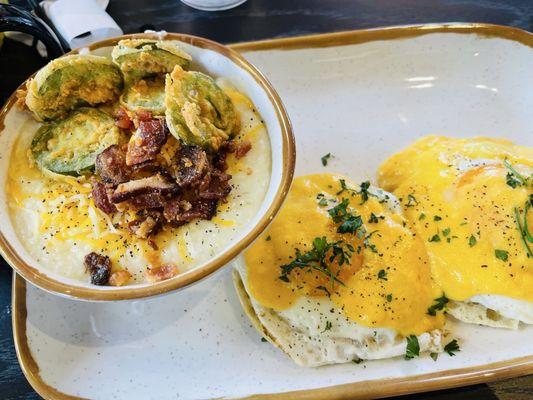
x: 40, y: 279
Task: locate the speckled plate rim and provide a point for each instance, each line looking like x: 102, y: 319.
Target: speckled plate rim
x: 359, y: 390
x: 288, y: 158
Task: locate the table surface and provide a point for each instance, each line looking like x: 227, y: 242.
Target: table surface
x: 262, y: 19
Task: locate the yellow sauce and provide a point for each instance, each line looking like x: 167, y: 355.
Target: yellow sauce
x: 398, y: 302
x: 470, y: 209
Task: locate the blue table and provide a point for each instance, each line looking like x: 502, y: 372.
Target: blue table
x: 262, y: 19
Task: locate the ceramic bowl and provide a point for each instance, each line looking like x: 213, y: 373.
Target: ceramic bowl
x: 218, y: 61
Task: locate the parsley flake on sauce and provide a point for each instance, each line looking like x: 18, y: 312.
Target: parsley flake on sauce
x: 472, y: 241
x: 515, y: 178
x: 521, y: 224
x: 501, y: 254
x: 382, y: 274
x: 325, y: 159
x: 439, y: 305
x: 319, y: 259
x: 411, y: 201
x: 434, y: 238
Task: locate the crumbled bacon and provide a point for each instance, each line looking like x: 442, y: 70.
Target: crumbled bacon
x: 153, y: 184
x: 146, y: 226
x: 242, y: 148
x: 218, y: 186
x: 123, y: 120
x: 99, y: 267
x: 119, y: 278
x: 146, y: 142
x: 161, y: 273
x: 111, y: 165
x: 192, y: 164
x: 101, y: 197
x: 183, y: 211
x: 147, y: 201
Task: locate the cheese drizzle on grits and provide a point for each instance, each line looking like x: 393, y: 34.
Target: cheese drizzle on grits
x: 58, y: 223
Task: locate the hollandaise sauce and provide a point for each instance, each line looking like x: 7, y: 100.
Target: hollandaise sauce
x: 333, y: 239
x: 467, y: 199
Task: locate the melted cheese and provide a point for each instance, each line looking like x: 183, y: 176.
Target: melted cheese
x: 456, y: 190
x: 399, y: 302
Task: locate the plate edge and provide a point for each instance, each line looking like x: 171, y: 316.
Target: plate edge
x: 359, y: 36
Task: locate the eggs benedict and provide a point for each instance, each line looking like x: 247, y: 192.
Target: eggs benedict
x: 469, y: 201
x: 339, y: 276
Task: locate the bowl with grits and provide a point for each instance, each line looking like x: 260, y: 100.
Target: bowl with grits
x: 139, y: 165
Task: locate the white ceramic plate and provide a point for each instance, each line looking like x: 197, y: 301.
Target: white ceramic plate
x: 361, y: 102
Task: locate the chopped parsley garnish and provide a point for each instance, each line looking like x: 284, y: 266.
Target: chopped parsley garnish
x: 523, y: 229
x: 318, y: 258
x: 328, y: 326
x: 412, y: 349
x: 515, y: 178
x: 472, y: 241
x: 264, y: 340
x: 358, y: 361
x: 422, y: 216
x: 364, y: 186
x: 439, y: 305
x: 364, y: 191
x: 325, y: 159
x: 434, y: 356
x: 268, y: 238
x: 437, y: 218
x: 446, y: 231
x: 345, y: 188
x: 325, y: 289
x: 322, y: 202
x: 434, y: 238
x: 382, y: 274
x: 411, y: 201
x: 349, y: 222
x: 374, y: 219
x: 501, y: 254
x: 389, y: 297
x: 452, y: 347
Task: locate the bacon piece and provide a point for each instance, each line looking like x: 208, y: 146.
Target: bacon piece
x: 123, y: 120
x: 191, y: 167
x: 153, y: 184
x: 101, y: 197
x: 217, y: 188
x: 147, y: 141
x: 146, y: 201
x: 119, y: 278
x: 242, y: 148
x: 161, y: 273
x: 145, y: 227
x: 99, y: 267
x: 181, y: 211
x: 111, y: 165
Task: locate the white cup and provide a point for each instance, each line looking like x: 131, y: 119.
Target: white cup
x: 213, y: 5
